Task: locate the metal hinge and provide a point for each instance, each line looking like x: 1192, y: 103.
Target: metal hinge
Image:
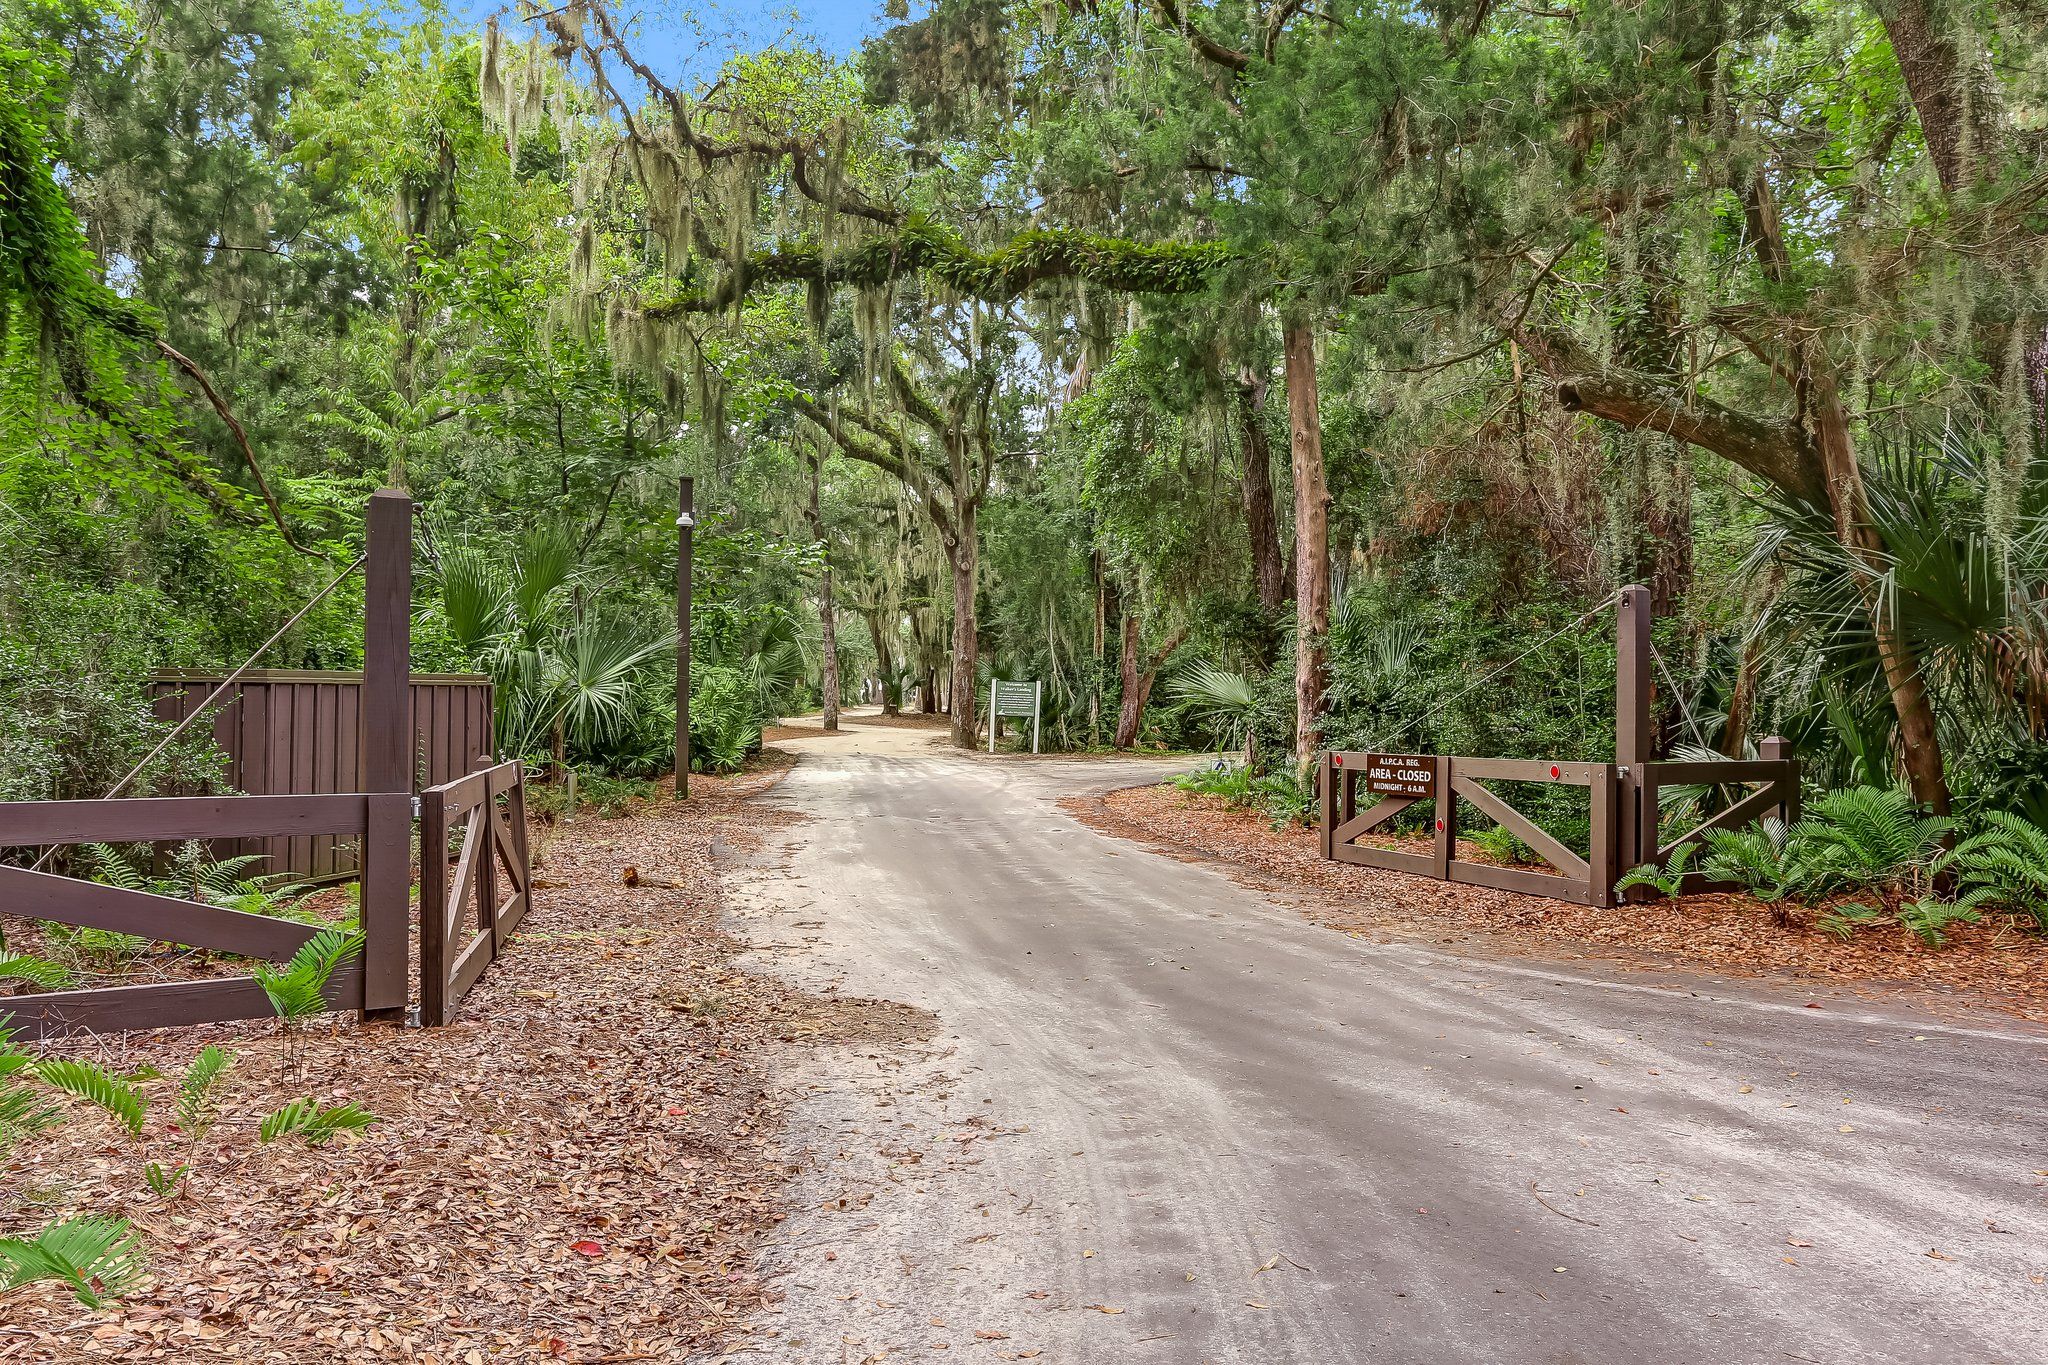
x: 415, y: 808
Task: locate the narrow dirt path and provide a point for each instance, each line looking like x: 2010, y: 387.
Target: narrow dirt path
x: 1165, y: 1118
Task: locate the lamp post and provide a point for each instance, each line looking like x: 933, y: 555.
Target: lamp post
x: 686, y: 522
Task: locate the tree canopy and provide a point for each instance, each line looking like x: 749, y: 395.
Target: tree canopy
x: 1334, y: 349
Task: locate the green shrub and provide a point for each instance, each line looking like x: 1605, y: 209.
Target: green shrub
x: 1668, y: 881
x: 725, y: 719
x: 2004, y: 867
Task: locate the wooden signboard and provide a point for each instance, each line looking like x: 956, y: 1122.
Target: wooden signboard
x: 1401, y: 775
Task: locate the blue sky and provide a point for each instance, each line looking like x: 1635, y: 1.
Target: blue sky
x: 679, y: 40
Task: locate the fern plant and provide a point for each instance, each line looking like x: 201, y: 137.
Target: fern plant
x: 97, y: 1258
x: 1667, y: 881
x: 298, y: 990
x: 97, y: 1086
x: 1843, y: 920
x: 314, y: 1124
x: 1765, y: 861
x: 225, y: 882
x: 1504, y: 847
x: 2004, y: 867
x: 1927, y: 917
x: 1874, y: 837
x: 35, y: 971
x: 24, y: 1109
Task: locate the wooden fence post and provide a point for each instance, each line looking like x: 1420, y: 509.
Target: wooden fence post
x: 1778, y: 749
x: 1635, y: 740
x: 387, y: 740
x: 434, y: 945
x: 1600, y: 869
x: 1327, y: 782
x: 1446, y: 846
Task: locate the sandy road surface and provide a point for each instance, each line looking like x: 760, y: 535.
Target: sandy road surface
x: 1162, y: 1118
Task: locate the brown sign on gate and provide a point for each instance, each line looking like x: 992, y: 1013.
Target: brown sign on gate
x: 1401, y: 774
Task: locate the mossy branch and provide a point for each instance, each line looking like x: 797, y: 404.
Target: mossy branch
x: 995, y: 276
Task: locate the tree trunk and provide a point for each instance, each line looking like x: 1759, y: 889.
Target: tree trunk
x: 964, y: 553
x: 1138, y: 676
x: 1261, y: 527
x: 1954, y: 97
x: 1131, y: 709
x: 1311, y: 541
x: 885, y: 664
x: 1819, y: 396
x: 828, y: 644
x: 1919, y: 741
x: 828, y: 628
x: 1095, y: 673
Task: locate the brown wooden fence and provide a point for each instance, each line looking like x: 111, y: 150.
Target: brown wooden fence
x: 355, y: 728
x: 473, y: 898
x: 1442, y: 780
x: 297, y: 732
x: 1622, y: 835
x: 376, y: 981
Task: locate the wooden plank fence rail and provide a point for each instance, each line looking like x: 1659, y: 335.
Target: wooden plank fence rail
x: 297, y: 732
x: 376, y: 980
x: 470, y: 905
x: 1613, y: 796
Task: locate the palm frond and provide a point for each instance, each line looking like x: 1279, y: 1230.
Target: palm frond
x: 306, y: 1119
x: 98, y: 1258
x: 198, y: 1106
x: 34, y: 971
x: 97, y: 1086
x: 298, y: 989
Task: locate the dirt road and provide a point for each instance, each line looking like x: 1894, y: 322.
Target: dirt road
x: 1163, y: 1118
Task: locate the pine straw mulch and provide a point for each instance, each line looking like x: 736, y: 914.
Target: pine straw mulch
x: 581, y: 1168
x: 1999, y: 965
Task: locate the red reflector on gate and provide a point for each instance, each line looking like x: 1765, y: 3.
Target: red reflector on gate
x: 1439, y: 827
x: 1336, y: 760
x: 1553, y: 770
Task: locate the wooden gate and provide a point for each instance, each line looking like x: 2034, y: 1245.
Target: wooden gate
x: 469, y: 906
x: 1773, y: 790
x: 375, y: 981
x: 1403, y: 780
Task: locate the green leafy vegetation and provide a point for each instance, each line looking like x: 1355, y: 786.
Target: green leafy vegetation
x: 1869, y: 856
x: 314, y: 1123
x: 1055, y: 345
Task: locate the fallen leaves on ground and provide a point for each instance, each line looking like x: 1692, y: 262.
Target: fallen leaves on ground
x: 582, y: 1167
x: 1993, y: 964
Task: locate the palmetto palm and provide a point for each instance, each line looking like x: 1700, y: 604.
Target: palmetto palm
x: 1227, y: 703
x: 1964, y: 577
x: 562, y: 671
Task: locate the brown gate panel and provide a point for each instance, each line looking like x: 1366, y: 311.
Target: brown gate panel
x: 298, y: 732
x: 1588, y: 881
x: 469, y: 909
